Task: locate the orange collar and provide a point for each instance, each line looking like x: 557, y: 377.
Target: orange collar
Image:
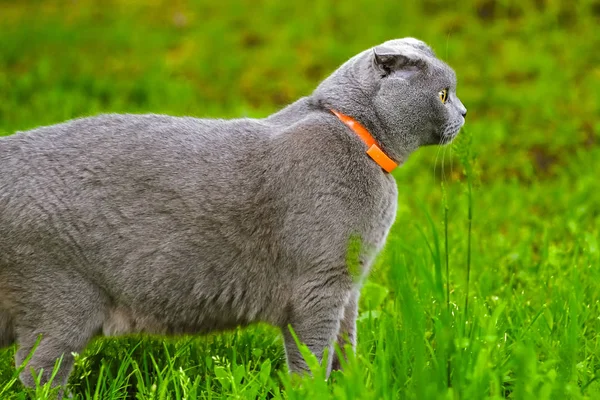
x: 374, y: 150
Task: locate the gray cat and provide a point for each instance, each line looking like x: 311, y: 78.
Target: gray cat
x: 148, y: 223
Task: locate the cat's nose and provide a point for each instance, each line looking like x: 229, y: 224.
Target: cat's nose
x: 464, y: 113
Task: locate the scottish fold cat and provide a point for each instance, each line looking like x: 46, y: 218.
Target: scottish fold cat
x: 149, y: 223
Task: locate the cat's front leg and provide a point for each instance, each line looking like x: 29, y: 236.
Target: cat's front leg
x: 315, y: 318
x: 347, y: 332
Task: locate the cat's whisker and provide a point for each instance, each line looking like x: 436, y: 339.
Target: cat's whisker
x: 437, y: 153
x: 451, y: 163
x: 448, y: 146
x: 445, y: 142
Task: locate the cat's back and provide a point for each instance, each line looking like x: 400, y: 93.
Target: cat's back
x: 117, y: 133
x: 114, y: 146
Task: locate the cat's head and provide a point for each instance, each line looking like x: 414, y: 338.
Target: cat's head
x: 401, y: 92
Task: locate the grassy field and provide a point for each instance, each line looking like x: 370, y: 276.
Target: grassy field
x: 489, y: 286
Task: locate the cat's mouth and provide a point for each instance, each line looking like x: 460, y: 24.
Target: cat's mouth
x: 451, y: 131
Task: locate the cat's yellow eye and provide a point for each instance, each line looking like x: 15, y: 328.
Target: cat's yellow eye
x: 443, y: 95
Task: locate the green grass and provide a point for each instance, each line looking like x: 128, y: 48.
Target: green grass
x: 523, y: 179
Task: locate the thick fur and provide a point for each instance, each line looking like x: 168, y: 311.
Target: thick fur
x: 149, y: 223
x: 7, y: 334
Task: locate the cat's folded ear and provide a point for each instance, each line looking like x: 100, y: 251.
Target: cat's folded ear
x: 402, y: 64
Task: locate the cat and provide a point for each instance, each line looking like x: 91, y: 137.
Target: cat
x: 117, y: 224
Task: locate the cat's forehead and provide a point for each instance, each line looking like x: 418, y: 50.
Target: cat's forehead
x: 410, y: 45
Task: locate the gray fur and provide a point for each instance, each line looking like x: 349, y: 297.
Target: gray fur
x: 149, y: 223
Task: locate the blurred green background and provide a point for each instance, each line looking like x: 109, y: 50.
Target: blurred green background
x: 529, y: 73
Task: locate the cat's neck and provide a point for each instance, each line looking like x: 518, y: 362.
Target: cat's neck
x: 365, y: 115
x: 294, y: 112
x: 305, y: 106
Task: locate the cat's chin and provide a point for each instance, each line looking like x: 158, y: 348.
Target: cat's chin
x: 447, y: 139
x: 440, y: 139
